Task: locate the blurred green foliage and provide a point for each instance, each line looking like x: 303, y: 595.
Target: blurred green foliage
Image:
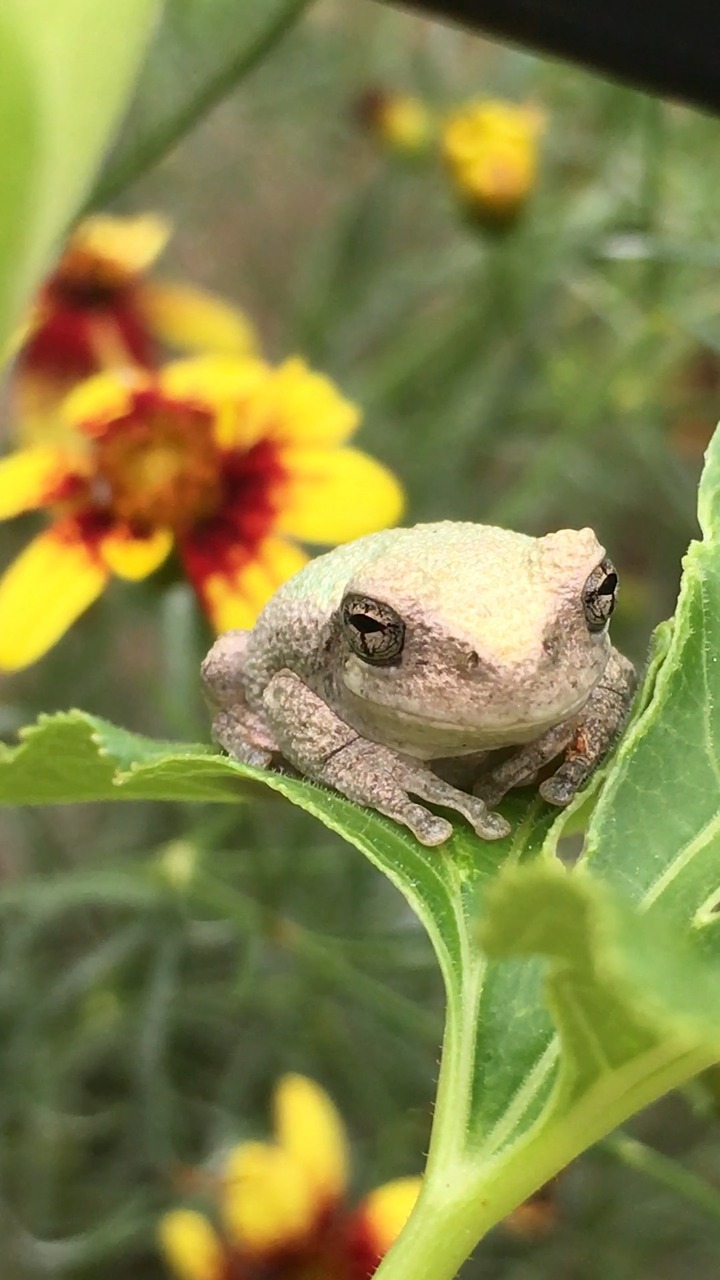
x: 66, y: 76
x: 162, y: 965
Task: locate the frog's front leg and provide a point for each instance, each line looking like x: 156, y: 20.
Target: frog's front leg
x: 241, y: 731
x: 313, y: 738
x: 585, y: 739
x: 600, y: 722
x: 521, y: 768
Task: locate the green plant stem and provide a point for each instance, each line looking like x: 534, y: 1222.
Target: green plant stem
x: 466, y: 1193
x: 182, y: 649
x: 443, y: 1231
x: 168, y: 134
x: 435, y: 1243
x: 665, y: 1171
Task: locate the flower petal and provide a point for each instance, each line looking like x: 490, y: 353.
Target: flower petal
x: 299, y: 406
x: 233, y: 584
x: 134, y: 557
x: 190, y: 1245
x: 309, y: 1128
x: 268, y: 1201
x: 118, y: 248
x: 42, y: 593
x: 190, y: 319
x: 226, y: 384
x: 103, y: 397
x: 383, y: 1213
x: 335, y: 496
x: 492, y: 152
x: 227, y: 609
x: 35, y: 400
x: 29, y: 478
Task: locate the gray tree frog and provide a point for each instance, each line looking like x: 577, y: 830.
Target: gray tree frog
x: 396, y: 665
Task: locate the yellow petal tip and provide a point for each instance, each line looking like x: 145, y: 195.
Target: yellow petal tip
x: 190, y: 1245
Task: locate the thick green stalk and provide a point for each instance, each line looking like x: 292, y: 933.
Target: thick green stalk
x: 466, y: 1193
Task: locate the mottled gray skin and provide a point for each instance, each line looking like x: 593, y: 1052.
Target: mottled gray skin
x: 497, y: 654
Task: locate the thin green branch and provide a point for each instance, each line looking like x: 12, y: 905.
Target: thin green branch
x: 159, y: 141
x: 318, y: 953
x: 665, y: 1171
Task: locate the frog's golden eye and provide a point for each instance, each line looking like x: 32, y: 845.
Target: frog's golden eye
x: 600, y: 595
x: 375, y: 632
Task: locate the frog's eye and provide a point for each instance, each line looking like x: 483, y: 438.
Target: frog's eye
x: 600, y: 595
x: 375, y: 632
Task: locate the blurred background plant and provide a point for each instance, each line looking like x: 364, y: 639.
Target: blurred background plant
x: 163, y: 966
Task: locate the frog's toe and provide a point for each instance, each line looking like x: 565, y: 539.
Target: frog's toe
x: 426, y: 826
x: 558, y: 790
x: 491, y: 826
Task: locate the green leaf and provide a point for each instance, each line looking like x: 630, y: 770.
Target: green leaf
x: 620, y: 990
x: 656, y: 831
x: 75, y: 757
x: 203, y: 50
x: 67, y: 70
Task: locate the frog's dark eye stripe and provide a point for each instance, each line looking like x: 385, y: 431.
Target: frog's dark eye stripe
x: 375, y: 632
x: 600, y: 595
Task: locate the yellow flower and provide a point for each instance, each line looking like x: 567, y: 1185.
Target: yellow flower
x: 400, y: 120
x: 227, y: 459
x: 491, y: 150
x: 97, y: 311
x: 280, y: 1209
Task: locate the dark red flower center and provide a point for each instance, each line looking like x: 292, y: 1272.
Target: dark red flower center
x: 159, y: 464
x: 332, y: 1250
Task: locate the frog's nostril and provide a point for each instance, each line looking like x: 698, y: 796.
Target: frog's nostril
x: 473, y: 660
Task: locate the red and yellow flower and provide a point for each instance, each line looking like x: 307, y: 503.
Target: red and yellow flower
x: 229, y: 461
x: 98, y: 310
x: 491, y: 151
x: 279, y: 1208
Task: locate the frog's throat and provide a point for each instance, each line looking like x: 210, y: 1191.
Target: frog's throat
x: 432, y: 736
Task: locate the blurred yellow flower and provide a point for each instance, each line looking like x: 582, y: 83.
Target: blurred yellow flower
x: 97, y: 311
x: 228, y: 460
x: 491, y: 151
x: 401, y: 121
x: 280, y: 1207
